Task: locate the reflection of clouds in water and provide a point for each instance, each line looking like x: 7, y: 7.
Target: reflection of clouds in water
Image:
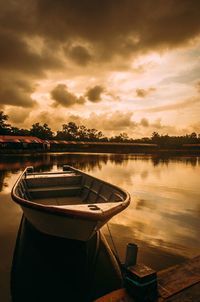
x: 144, y: 174
x: 155, y: 233
x: 141, y: 204
x: 8, y: 181
x: 187, y: 225
x: 10, y: 214
x: 160, y: 224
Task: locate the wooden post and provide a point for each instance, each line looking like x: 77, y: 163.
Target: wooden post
x: 131, y: 254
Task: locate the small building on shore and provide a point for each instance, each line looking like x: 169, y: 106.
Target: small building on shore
x: 11, y: 143
x: 21, y: 142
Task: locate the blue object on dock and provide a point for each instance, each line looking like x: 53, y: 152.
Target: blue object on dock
x: 141, y: 283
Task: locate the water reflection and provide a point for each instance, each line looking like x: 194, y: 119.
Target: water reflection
x: 163, y: 217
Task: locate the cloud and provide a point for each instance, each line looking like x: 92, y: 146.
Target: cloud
x: 113, y: 121
x: 117, y: 122
x: 16, y: 91
x: 106, y: 122
x: 17, y: 55
x: 83, y: 42
x: 142, y: 24
x: 155, y: 125
x: 113, y: 28
x: 18, y: 117
x: 143, y: 93
x: 144, y: 122
x: 198, y: 86
x: 175, y: 106
x: 94, y: 93
x: 63, y: 97
x: 195, y: 127
x: 80, y: 55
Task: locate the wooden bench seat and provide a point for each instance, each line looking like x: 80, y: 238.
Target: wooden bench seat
x: 56, y: 191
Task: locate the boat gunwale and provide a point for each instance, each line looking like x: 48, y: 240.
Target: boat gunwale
x: 102, y: 216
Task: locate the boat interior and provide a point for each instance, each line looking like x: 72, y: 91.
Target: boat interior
x: 67, y: 188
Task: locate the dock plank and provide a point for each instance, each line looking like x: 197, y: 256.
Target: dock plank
x: 179, y: 283
x: 178, y: 278
x: 191, y: 294
x: 119, y: 295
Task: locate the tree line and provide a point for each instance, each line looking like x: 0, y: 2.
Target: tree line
x: 73, y: 132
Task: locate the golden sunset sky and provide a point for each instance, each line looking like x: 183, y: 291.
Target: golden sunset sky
x: 114, y: 65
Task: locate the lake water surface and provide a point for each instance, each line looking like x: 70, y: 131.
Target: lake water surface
x: 163, y: 217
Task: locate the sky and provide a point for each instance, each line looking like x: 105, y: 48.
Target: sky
x: 114, y: 65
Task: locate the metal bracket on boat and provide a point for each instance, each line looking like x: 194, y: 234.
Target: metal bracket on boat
x: 29, y: 169
x: 67, y: 168
x: 93, y: 207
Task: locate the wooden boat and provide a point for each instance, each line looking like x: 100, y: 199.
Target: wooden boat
x: 69, y: 204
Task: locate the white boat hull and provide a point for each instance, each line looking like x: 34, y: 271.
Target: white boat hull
x: 62, y: 226
x: 69, y: 204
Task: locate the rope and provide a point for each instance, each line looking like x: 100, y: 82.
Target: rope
x: 113, y: 243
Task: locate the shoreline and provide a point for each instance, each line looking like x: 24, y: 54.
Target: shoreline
x: 158, y: 152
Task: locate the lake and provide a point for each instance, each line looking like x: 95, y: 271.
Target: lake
x: 163, y: 217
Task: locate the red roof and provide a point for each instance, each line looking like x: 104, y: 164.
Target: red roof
x: 33, y: 139
x: 19, y: 139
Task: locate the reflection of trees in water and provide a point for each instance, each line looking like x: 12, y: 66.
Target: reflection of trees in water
x: 45, y: 162
x: 13, y: 163
x: 119, y: 159
x: 165, y: 160
x: 83, y: 161
x: 194, y: 161
x: 3, y: 174
x: 86, y: 162
x: 160, y: 161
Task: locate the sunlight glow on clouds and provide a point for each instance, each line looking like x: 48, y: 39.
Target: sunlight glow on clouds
x: 76, y: 61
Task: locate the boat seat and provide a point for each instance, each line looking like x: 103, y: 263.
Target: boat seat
x: 36, y: 182
x: 56, y: 191
x: 59, y: 201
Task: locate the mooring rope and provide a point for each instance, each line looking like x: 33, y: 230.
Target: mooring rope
x: 113, y: 243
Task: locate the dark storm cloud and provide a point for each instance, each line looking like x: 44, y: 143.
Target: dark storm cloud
x: 94, y: 93
x: 112, y: 29
x: 127, y: 25
x: 79, y: 55
x: 63, y: 97
x: 15, y: 54
x: 15, y: 91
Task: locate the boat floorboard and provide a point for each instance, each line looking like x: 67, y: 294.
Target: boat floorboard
x: 72, y: 200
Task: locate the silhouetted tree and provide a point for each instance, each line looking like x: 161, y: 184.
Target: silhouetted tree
x: 73, y: 132
x: 17, y: 131
x: 69, y: 132
x: 122, y: 137
x: 41, y: 131
x: 4, y: 127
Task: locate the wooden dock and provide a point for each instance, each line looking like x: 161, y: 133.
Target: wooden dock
x: 179, y: 283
